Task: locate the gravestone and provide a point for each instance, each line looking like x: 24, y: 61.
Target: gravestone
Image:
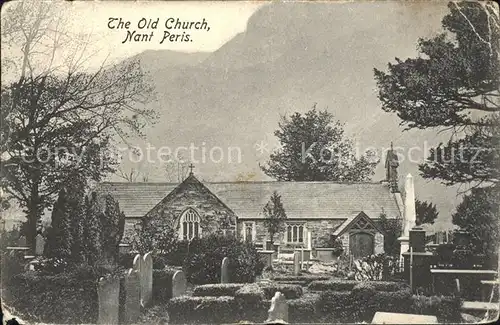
x: 224, y: 271
x: 22, y: 242
x: 278, y: 313
x: 132, y: 304
x: 39, y: 244
x: 108, y: 290
x: 136, y: 264
x: 396, y: 318
x: 296, y: 262
x: 146, y: 279
x: 179, y: 284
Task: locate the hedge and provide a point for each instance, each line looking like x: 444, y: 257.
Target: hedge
x: 62, y: 298
x: 300, y: 278
x: 217, y: 290
x: 333, y: 285
x: 203, y: 310
x: 252, y: 303
x: 446, y: 308
x: 368, y: 300
x: 303, y: 309
x: 388, y: 286
x: 291, y: 291
x: 336, y: 306
x: 250, y: 293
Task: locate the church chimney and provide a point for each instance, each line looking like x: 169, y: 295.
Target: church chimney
x: 391, y: 167
x: 410, y: 212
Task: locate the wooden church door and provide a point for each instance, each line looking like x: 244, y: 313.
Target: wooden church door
x: 361, y: 244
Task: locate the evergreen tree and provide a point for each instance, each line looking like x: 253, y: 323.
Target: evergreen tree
x: 59, y: 235
x: 479, y: 215
x: 426, y: 212
x: 314, y: 148
x: 92, y: 231
x: 77, y: 213
x: 113, y: 223
x: 392, y: 229
x: 454, y: 84
x: 275, y: 216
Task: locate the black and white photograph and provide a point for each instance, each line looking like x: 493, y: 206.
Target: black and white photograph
x: 250, y: 162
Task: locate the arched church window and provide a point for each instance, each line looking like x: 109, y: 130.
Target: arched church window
x: 190, y: 225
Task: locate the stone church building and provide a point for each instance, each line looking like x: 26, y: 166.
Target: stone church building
x: 315, y: 210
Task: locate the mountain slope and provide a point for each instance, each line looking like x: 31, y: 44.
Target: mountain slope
x: 290, y: 57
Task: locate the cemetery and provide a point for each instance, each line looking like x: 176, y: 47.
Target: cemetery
x: 85, y: 274
x: 370, y: 292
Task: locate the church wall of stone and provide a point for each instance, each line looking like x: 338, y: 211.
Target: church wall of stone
x: 319, y: 229
x: 213, y: 214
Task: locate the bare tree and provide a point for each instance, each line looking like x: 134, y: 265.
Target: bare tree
x: 60, y: 116
x: 176, y: 169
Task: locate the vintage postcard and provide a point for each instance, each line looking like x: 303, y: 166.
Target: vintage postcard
x: 190, y: 162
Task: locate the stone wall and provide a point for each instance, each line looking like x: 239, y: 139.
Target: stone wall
x: 191, y: 193
x: 319, y: 229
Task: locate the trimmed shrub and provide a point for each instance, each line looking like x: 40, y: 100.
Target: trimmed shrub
x: 304, y: 309
x: 291, y: 291
x: 368, y: 300
x: 203, y: 310
x: 387, y: 286
x: 300, y: 278
x: 251, y: 302
x: 203, y: 264
x: 336, y: 306
x: 62, y: 298
x: 333, y: 285
x: 250, y: 293
x: 446, y: 308
x: 217, y: 290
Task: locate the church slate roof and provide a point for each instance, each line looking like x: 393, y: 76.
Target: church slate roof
x: 301, y: 200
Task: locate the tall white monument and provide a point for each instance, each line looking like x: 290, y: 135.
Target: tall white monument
x: 410, y: 214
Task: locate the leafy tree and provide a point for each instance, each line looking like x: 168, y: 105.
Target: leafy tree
x: 393, y: 229
x: 479, y: 215
x: 454, y: 85
x: 314, y: 148
x: 161, y: 239
x: 426, y: 212
x: 59, y: 239
x: 59, y: 116
x: 275, y: 216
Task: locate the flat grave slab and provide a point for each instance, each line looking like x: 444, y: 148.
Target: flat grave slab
x: 397, y: 318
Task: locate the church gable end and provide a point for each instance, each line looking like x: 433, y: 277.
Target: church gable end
x: 192, y: 209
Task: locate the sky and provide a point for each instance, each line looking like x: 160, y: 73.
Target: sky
x: 225, y: 20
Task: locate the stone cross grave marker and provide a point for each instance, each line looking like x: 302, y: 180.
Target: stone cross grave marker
x: 132, y: 305
x: 224, y: 271
x: 147, y: 279
x: 296, y: 262
x: 278, y: 313
x: 39, y: 244
x: 108, y: 290
x: 179, y: 284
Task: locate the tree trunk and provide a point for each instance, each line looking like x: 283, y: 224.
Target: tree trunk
x: 33, y: 217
